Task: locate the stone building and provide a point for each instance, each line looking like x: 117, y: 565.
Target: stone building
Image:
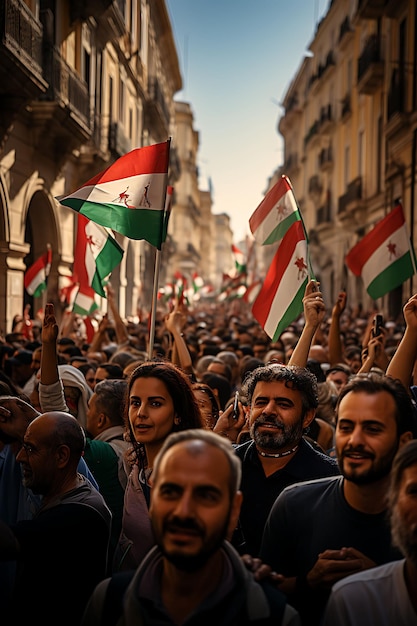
x: 350, y: 134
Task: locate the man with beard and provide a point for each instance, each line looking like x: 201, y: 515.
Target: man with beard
x: 193, y: 575
x: 283, y: 401
x: 324, y: 530
x: 387, y: 594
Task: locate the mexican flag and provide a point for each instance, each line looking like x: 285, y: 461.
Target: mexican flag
x: 96, y: 255
x: 384, y: 258
x: 280, y: 300
x: 36, y: 275
x: 129, y: 196
x: 275, y: 214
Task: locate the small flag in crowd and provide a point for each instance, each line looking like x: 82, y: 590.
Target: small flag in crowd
x: 129, y: 196
x: 36, y: 275
x: 385, y: 257
x: 84, y: 301
x: 280, y: 300
x: 96, y: 255
x: 240, y: 263
x: 275, y: 214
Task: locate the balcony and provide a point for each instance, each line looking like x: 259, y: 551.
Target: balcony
x: 292, y: 111
x: 371, y: 9
x: 21, y: 73
x: 345, y: 33
x: 323, y: 214
x: 119, y: 144
x: 326, y: 159
x: 315, y: 186
x: 326, y: 119
x: 291, y: 165
x: 108, y: 13
x: 351, y: 200
x: 61, y: 118
x: 312, y: 133
x: 370, y: 67
x: 394, y: 8
x: 346, y: 109
x: 397, y: 118
x: 157, y: 111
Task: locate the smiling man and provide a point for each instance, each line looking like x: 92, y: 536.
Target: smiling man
x: 193, y: 575
x: 321, y: 531
x: 283, y: 401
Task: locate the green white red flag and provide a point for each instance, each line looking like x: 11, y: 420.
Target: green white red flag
x: 36, y: 275
x: 84, y: 302
x: 129, y: 196
x: 385, y: 257
x: 96, y: 255
x: 280, y: 300
x: 275, y: 214
x: 240, y: 262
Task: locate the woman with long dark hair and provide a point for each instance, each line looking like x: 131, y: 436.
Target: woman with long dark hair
x: 160, y: 400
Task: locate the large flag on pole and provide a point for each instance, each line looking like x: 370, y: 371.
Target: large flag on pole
x: 96, y: 255
x: 275, y: 214
x: 280, y: 301
x: 385, y: 257
x: 129, y: 196
x: 36, y: 275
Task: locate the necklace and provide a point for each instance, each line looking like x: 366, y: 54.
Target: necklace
x: 279, y: 455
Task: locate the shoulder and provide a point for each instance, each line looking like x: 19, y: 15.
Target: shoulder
x: 373, y: 577
x: 319, y: 458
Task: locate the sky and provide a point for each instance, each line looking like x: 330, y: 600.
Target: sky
x: 237, y: 60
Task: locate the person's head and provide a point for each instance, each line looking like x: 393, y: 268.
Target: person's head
x: 21, y: 366
x: 36, y: 360
x: 353, y: 357
x: 220, y: 386
x: 20, y: 409
x: 339, y: 374
x: 374, y: 418
x: 89, y: 371
x: 76, y: 390
x: 218, y: 366
x: 260, y: 349
x: 402, y: 501
x: 202, y: 364
x: 52, y: 448
x: 106, y: 406
x: 160, y: 401
x: 232, y: 360
x: 208, y: 403
x: 283, y: 401
x: 107, y: 371
x: 195, y: 499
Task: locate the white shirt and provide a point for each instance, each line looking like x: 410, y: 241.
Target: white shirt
x: 375, y: 597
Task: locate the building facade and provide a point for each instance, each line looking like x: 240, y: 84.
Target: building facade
x: 82, y: 83
x: 350, y: 136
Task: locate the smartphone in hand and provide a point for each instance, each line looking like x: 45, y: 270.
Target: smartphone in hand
x: 236, y: 406
x: 378, y: 324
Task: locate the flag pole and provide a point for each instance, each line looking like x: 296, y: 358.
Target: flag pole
x: 154, y: 300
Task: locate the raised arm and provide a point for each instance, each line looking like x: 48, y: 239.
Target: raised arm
x: 403, y: 361
x: 122, y: 335
x: 314, y: 312
x: 175, y: 323
x: 335, y: 338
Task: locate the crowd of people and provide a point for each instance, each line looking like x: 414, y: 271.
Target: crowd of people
x: 224, y: 478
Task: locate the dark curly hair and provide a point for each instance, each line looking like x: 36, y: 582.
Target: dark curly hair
x: 179, y: 388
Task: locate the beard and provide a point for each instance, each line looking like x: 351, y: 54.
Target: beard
x: 379, y: 469
x: 289, y: 436
x: 184, y: 561
x: 404, y: 537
